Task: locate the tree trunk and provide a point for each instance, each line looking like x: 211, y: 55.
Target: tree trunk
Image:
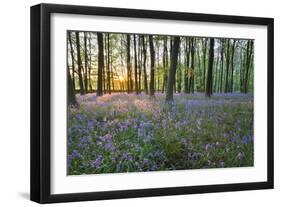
x: 241, y: 69
x: 186, y: 74
x: 111, y: 72
x: 173, y: 68
x: 192, y: 73
x: 165, y: 65
x: 108, y: 86
x: 71, y: 99
x: 79, y: 61
x: 72, y: 59
x: 248, y: 63
x: 129, y: 68
x: 104, y: 67
x: 227, y: 66
x: 136, y: 66
x: 179, y: 74
x: 202, y: 85
x: 139, y: 63
x: 90, y: 65
x: 216, y: 74
x: 158, y: 65
x: 232, y: 66
x: 100, y: 64
x: 144, y: 65
x: 123, y: 79
x: 221, y: 77
x: 204, y: 45
x: 209, y: 83
x: 86, y: 63
x: 152, y: 65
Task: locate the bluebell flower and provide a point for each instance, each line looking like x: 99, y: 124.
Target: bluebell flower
x: 109, y: 146
x: 97, y: 162
x: 245, y: 140
x: 79, y: 117
x: 75, y: 154
x: 91, y: 124
x: 126, y: 156
x: 85, y: 142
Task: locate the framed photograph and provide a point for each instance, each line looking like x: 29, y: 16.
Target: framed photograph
x: 133, y: 103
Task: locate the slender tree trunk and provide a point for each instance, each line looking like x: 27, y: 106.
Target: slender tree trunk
x: 246, y: 67
x: 136, y: 66
x: 171, y: 51
x: 100, y: 64
x: 152, y: 66
x: 158, y: 65
x: 209, y: 83
x: 79, y: 61
x: 129, y: 68
x: 248, y: 63
x: 221, y: 77
x: 89, y: 75
x: 144, y: 65
x: 90, y: 65
x: 192, y: 73
x: 232, y: 65
x: 86, y: 63
x: 104, y: 66
x: 71, y: 99
x: 72, y: 60
x: 123, y: 79
x: 251, y: 73
x: 165, y: 65
x: 179, y: 74
x: 173, y: 68
x: 202, y: 85
x: 227, y: 65
x: 139, y: 63
x: 104, y: 80
x: 107, y: 65
x: 241, y: 73
x: 112, y: 72
x: 204, y: 45
x: 216, y: 74
x: 187, y: 69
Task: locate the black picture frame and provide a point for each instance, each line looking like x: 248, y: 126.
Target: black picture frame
x: 41, y: 97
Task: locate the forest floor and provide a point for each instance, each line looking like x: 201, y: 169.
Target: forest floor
x: 133, y: 133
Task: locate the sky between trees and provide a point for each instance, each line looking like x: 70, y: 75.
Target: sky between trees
x: 104, y: 63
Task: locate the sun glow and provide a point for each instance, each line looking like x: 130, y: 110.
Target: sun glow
x: 121, y: 78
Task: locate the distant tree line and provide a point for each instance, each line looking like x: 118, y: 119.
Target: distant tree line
x: 104, y: 63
